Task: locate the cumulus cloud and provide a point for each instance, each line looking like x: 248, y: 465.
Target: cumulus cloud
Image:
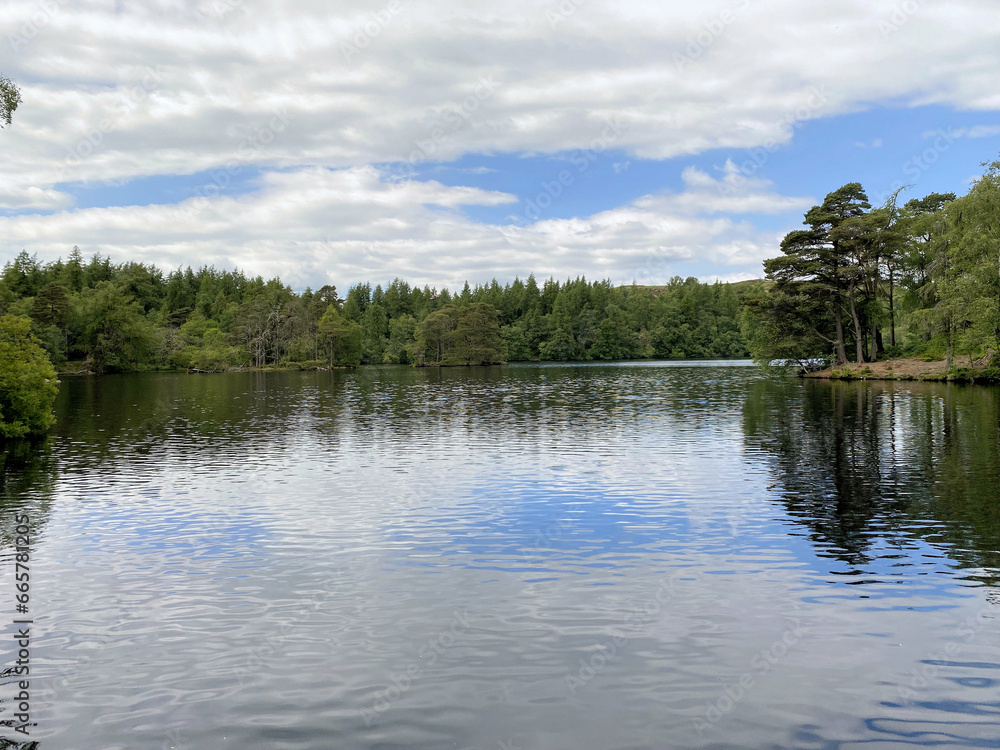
x: 316, y: 225
x: 175, y: 86
x: 171, y: 87
x: 24, y: 197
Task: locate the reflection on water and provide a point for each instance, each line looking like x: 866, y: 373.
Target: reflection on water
x: 615, y: 556
x: 896, y: 480
x: 868, y: 467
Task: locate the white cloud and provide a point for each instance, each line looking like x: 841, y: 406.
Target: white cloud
x: 27, y: 197
x: 975, y: 131
x: 315, y: 225
x: 172, y: 87
x: 464, y: 170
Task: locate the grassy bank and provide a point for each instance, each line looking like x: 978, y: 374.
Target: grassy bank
x: 963, y: 370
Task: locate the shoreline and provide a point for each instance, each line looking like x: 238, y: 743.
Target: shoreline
x: 913, y: 368
x: 298, y: 368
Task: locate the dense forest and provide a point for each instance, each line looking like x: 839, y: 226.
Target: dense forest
x: 121, y: 317
x: 862, y: 283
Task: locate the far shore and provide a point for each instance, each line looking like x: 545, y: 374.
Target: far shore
x: 78, y: 368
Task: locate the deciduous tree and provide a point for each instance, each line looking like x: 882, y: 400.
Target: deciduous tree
x: 27, y: 381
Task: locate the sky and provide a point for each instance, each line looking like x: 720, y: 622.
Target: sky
x: 439, y: 142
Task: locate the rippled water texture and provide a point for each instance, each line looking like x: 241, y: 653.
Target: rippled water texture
x: 533, y: 557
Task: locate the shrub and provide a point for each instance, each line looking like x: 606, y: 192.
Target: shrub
x: 28, y: 384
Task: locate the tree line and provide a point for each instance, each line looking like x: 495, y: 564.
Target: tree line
x: 862, y: 283
x: 123, y: 317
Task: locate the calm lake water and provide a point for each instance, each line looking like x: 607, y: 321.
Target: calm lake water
x: 654, y: 555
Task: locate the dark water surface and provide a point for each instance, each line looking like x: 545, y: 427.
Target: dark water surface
x: 533, y: 557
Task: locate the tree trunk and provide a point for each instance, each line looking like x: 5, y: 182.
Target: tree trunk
x: 949, y: 355
x: 841, y: 349
x: 996, y: 333
x: 892, y: 308
x: 875, y: 343
x: 858, y: 343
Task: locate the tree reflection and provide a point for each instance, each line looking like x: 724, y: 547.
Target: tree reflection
x: 862, y: 464
x: 27, y: 479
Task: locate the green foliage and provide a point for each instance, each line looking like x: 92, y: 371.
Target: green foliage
x: 116, y: 335
x: 24, y: 276
x: 991, y: 373
x: 467, y: 334
x: 51, y: 307
x: 212, y: 353
x: 52, y: 340
x: 615, y: 338
x: 561, y: 344
x: 376, y: 329
x: 516, y: 343
x: 342, y: 339
x: 432, y: 337
x: 27, y: 381
x: 121, y: 317
x: 923, y: 280
x: 476, y: 338
x: 776, y: 330
x: 10, y: 98
x: 402, y: 335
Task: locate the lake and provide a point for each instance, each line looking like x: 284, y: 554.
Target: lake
x: 557, y: 557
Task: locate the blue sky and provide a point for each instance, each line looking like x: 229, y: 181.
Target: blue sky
x: 877, y: 148
x: 441, y: 141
